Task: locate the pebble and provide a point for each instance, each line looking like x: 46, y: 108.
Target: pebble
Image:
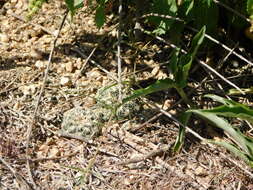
x: 4, y: 38
x: 69, y: 66
x: 79, y: 63
x: 40, y: 64
x: 93, y: 74
x: 155, y: 71
x: 65, y: 81
x: 36, y: 54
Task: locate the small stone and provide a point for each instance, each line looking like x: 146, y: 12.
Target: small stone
x: 54, y: 152
x: 114, y: 33
x: 155, y: 71
x: 36, y: 54
x: 9, y: 11
x: 127, y: 61
x: 93, y: 74
x: 4, y: 38
x: 16, y: 106
x: 79, y: 63
x: 69, y: 66
x: 114, y: 63
x: 90, y: 22
x: 40, y: 64
x: 65, y: 81
x: 199, y: 171
x: 47, y: 40
x: 235, y: 64
x: 29, y: 90
x: 60, y: 70
x: 55, y: 32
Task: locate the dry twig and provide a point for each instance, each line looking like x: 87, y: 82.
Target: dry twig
x: 30, y: 127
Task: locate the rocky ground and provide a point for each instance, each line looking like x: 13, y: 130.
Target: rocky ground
x: 132, y: 152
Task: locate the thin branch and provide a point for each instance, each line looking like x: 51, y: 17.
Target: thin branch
x: 206, y: 35
x: 78, y: 50
x: 119, y: 51
x: 85, y: 63
x: 219, y: 75
x: 224, y: 46
x: 162, y: 16
x: 30, y: 127
x: 232, y: 10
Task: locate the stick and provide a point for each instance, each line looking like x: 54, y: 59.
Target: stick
x: 30, y: 127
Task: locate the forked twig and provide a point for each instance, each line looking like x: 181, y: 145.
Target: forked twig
x: 219, y: 75
x: 151, y: 154
x: 30, y: 127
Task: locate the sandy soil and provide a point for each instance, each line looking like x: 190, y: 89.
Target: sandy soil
x: 137, y: 158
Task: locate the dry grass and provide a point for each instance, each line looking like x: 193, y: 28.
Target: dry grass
x: 118, y: 159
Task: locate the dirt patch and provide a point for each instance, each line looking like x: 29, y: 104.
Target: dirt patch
x: 130, y: 153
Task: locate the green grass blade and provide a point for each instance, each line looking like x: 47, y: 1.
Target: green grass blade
x: 197, y: 41
x: 222, y: 124
x: 241, y: 112
x: 235, y: 150
x: 184, y: 118
x: 231, y: 109
x: 157, y: 86
x: 219, y: 99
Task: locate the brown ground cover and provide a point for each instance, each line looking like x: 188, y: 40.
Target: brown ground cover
x: 138, y: 157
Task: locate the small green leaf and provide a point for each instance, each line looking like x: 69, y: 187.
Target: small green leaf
x: 250, y: 8
x: 183, y: 118
x: 189, y: 7
x: 184, y: 66
x: 197, y: 41
x: 241, y: 112
x: 220, y: 99
x: 100, y: 16
x: 237, y: 92
x: 174, y: 61
x: 185, y: 61
x: 70, y: 6
x: 163, y: 7
x: 73, y: 5
x: 157, y: 86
